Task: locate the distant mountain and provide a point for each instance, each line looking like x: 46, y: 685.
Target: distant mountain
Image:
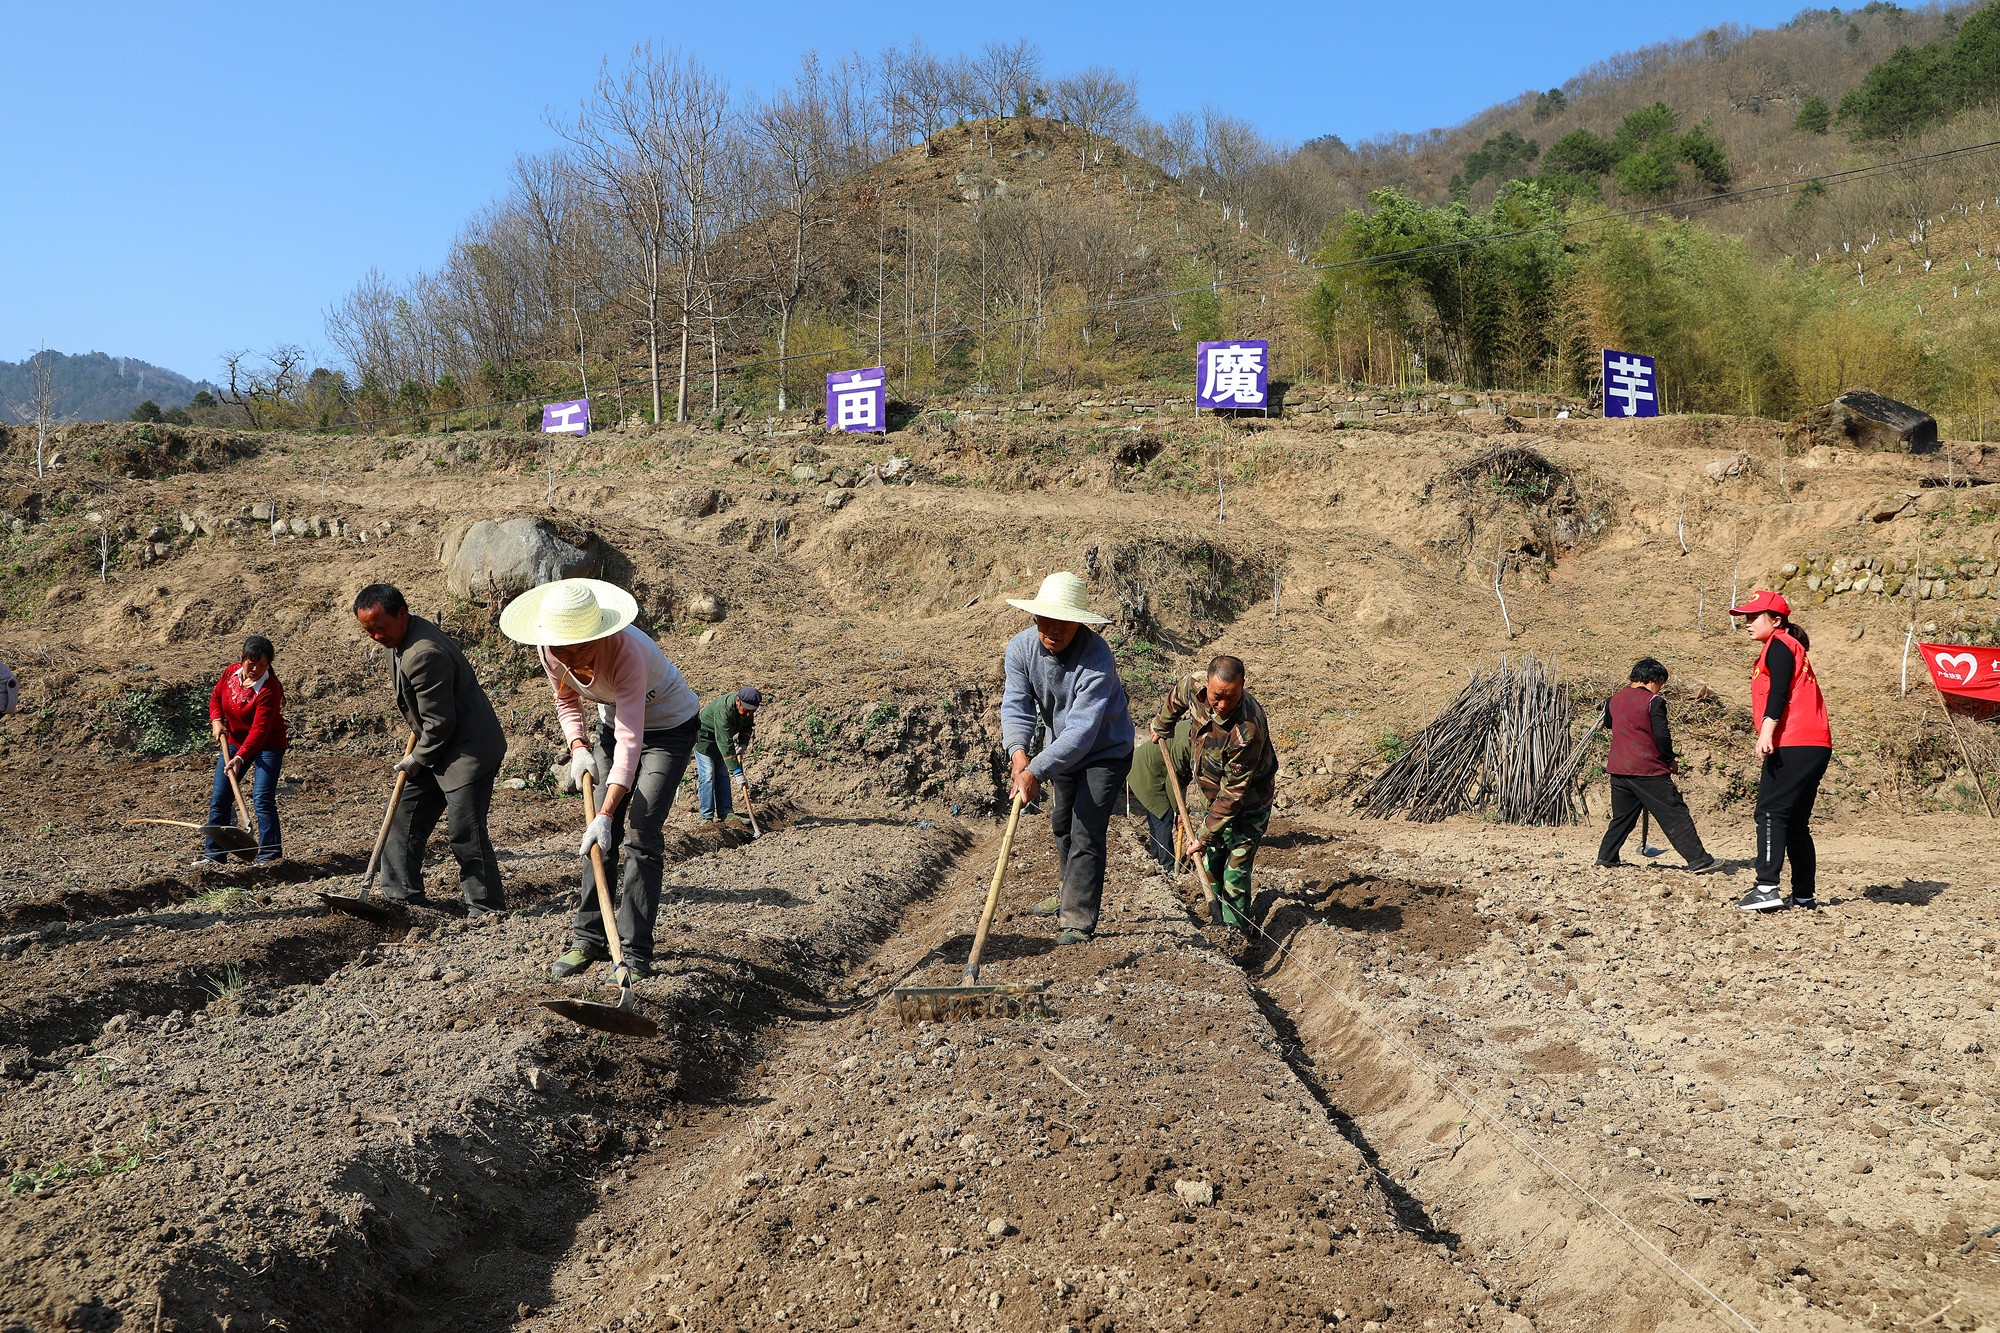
x: 97, y: 387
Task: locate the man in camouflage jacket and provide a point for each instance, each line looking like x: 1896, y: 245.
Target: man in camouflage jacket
x: 1236, y: 769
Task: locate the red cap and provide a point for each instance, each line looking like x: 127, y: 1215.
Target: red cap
x: 1763, y: 601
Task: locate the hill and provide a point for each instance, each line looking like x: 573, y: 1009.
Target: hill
x: 95, y: 386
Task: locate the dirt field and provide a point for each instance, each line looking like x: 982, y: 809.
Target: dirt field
x: 1463, y: 1079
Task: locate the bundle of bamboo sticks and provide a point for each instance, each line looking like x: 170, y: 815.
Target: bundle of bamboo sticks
x: 1503, y: 744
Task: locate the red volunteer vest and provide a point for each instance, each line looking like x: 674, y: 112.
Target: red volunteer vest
x: 1804, y: 722
x: 1633, y: 753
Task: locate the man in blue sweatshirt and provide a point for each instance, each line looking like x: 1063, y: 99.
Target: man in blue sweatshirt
x: 1061, y: 673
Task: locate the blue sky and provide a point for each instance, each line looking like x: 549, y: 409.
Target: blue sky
x: 188, y: 178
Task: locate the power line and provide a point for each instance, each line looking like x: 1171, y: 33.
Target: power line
x: 1746, y: 194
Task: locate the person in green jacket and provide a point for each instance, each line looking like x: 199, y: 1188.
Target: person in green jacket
x: 727, y: 722
x: 1236, y: 768
x: 1148, y: 785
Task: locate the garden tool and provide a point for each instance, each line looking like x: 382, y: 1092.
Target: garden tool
x: 367, y: 905
x: 749, y: 805
x: 1646, y: 847
x: 1186, y: 826
x: 242, y: 806
x: 228, y: 837
x: 621, y: 1017
x: 969, y: 999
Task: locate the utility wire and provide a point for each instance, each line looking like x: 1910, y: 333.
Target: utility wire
x: 1746, y: 194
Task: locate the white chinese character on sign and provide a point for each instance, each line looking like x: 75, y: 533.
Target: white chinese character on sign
x: 855, y: 404
x: 1628, y: 378
x: 1233, y: 375
x: 562, y: 419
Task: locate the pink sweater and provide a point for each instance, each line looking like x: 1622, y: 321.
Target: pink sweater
x: 636, y: 690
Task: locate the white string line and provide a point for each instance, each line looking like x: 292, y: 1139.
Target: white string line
x: 1473, y: 1103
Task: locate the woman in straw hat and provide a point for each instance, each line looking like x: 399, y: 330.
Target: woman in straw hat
x: 646, y: 722
x: 1062, y: 673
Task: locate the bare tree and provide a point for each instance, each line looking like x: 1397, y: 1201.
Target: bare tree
x: 43, y: 406
x: 1007, y: 77
x: 793, y: 136
x: 1099, y: 102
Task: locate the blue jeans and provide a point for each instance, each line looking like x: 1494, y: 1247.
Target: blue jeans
x: 711, y: 779
x: 261, y: 772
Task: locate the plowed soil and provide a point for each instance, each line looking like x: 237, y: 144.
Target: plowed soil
x: 1458, y: 1078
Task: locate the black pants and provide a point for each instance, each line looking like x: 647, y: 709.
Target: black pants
x: 637, y: 832
x: 464, y: 810
x: 1080, y: 815
x: 1160, y: 836
x: 1662, y: 799
x: 1786, y: 790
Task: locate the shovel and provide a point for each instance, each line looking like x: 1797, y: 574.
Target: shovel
x: 620, y: 1018
x: 969, y: 999
x: 367, y: 905
x: 1186, y: 826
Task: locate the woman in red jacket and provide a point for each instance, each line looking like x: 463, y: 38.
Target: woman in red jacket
x: 1796, y: 743
x: 245, y: 712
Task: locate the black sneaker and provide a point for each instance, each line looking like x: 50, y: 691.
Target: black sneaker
x: 1611, y: 865
x: 1809, y: 901
x: 1708, y: 865
x: 1763, y: 898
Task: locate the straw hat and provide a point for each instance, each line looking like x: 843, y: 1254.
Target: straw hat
x: 568, y: 611
x: 1061, y: 598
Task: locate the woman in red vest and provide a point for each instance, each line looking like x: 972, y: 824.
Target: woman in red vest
x: 246, y: 715
x: 1796, y: 743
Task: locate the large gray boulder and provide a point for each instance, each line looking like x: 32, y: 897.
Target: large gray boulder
x: 1863, y: 419
x: 508, y: 556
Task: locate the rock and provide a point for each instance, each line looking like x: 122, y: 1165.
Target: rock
x: 187, y: 525
x: 706, y: 607
x: 278, y: 528
x: 835, y: 499
x: 299, y: 527
x: 692, y: 501
x: 161, y: 550
x: 707, y: 637
x: 1857, y: 632
x: 803, y: 473
x: 1888, y: 507
x: 1790, y: 570
x: 156, y: 533
x: 894, y: 467
x: 1194, y: 1193
x: 510, y: 556
x: 999, y: 1226
x: 808, y: 453
x: 263, y: 511
x: 1724, y: 468
x: 1863, y: 419
x: 316, y: 525
x: 515, y: 784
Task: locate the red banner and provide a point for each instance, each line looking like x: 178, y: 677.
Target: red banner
x: 1973, y: 673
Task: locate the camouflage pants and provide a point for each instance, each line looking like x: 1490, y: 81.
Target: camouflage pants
x: 1231, y: 852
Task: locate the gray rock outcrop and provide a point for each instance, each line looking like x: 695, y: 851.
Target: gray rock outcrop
x: 510, y: 556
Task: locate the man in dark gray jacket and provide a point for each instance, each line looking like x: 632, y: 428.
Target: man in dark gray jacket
x: 457, y: 755
x: 1061, y: 673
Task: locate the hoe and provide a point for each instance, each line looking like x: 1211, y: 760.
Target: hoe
x: 969, y: 999
x: 620, y: 1018
x: 240, y: 842
x: 367, y: 904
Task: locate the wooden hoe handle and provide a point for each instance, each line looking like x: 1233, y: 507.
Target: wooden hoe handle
x: 388, y: 816
x: 993, y: 891
x: 597, y: 872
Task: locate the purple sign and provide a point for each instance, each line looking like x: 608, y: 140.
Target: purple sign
x: 858, y: 399
x: 571, y: 418
x: 1631, y: 385
x: 1236, y: 375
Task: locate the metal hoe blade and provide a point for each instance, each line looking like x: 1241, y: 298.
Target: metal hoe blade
x: 604, y: 1017
x: 373, y: 909
x: 946, y: 1004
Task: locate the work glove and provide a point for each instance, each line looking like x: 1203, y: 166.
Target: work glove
x: 408, y: 764
x: 736, y: 770
x: 582, y: 761
x: 597, y: 835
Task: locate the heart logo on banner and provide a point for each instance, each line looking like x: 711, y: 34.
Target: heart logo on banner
x: 1946, y: 661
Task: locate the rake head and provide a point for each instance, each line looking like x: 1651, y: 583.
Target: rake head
x: 949, y: 1004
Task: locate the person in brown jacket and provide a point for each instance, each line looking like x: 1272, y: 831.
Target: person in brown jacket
x: 1642, y: 765
x: 1237, y: 770
x: 456, y: 759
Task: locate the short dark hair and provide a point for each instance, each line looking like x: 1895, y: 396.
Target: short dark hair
x: 1648, y: 671
x: 1226, y: 669
x: 258, y: 646
x: 384, y: 597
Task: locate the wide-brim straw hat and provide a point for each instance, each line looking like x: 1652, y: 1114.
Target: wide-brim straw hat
x: 568, y: 611
x: 1061, y: 598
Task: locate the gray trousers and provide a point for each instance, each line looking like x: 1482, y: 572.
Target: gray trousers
x: 464, y: 812
x: 636, y: 831
x: 1080, y: 808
